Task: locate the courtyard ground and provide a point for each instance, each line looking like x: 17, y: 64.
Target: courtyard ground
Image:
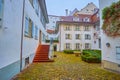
x: 66, y: 67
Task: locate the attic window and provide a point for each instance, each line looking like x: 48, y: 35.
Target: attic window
x: 86, y: 19
x: 75, y: 19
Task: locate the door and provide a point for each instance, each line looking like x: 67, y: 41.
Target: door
x: 40, y: 36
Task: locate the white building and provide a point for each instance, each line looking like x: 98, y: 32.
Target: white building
x: 111, y: 53
x: 52, y: 21
x: 52, y: 29
x: 19, y: 40
x: 89, y: 9
x: 79, y: 32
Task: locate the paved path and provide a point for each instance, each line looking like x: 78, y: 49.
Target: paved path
x: 66, y: 67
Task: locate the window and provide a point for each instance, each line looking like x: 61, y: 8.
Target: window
x: 26, y: 61
x: 75, y: 19
x: 87, y: 37
x: 28, y: 27
x: 118, y: 52
x: 87, y: 28
x: 86, y: 19
x: 36, y: 32
x: 77, y: 28
x: 1, y: 12
x: 31, y: 1
x: 67, y: 36
x: 77, y: 36
x: 67, y: 46
x: 77, y: 46
x: 36, y: 6
x: 87, y: 46
x: 67, y: 28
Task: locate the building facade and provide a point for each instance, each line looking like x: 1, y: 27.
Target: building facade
x: 78, y: 29
x: 89, y: 9
x: 22, y: 28
x: 111, y: 53
x: 52, y: 29
x: 52, y: 21
x: 79, y: 32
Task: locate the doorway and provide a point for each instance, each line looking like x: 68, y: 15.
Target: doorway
x: 55, y: 47
x: 40, y: 36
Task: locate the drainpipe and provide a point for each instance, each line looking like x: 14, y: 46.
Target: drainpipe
x: 21, y: 46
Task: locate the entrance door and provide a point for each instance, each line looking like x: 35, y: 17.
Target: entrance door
x: 55, y: 47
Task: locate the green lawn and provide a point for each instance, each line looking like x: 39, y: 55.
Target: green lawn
x: 66, y: 67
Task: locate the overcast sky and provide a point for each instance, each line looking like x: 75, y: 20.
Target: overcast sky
x: 57, y: 7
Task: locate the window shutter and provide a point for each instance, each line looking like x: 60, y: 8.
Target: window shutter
x: 33, y: 34
x: 90, y: 46
x: 70, y: 36
x: 75, y: 46
x: 70, y: 46
x: 64, y: 28
x: 64, y: 46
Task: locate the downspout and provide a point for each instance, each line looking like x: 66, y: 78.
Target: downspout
x: 21, y: 46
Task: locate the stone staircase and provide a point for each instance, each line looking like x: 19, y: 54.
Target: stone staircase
x: 42, y: 54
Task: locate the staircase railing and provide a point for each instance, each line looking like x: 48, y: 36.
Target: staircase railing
x: 50, y: 48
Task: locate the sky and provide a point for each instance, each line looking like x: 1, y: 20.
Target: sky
x: 57, y: 7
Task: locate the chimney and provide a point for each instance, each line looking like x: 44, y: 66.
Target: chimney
x: 66, y: 10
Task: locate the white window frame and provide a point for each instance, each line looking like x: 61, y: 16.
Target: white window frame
x: 87, y: 37
x: 67, y: 46
x: 77, y: 46
x: 67, y: 36
x: 36, y: 32
x: 26, y: 32
x: 87, y: 46
x: 77, y: 28
x: 87, y: 28
x: 67, y: 28
x: 76, y: 19
x: 86, y: 19
x: 77, y: 36
x: 118, y: 52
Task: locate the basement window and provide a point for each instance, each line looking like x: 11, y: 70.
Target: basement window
x: 26, y: 61
x: 118, y: 52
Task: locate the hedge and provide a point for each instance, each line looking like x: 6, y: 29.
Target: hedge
x: 91, y: 56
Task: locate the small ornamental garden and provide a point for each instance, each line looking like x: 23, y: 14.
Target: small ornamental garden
x: 91, y: 56
x: 111, y: 20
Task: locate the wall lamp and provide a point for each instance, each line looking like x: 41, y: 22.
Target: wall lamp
x: 108, y: 44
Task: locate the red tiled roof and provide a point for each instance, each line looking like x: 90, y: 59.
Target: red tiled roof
x: 69, y: 19
x: 50, y: 31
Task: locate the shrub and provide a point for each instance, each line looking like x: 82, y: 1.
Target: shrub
x: 91, y: 56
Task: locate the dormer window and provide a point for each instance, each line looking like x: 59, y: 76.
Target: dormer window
x: 75, y: 19
x: 86, y: 19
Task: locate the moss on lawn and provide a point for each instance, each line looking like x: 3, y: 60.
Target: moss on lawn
x: 66, y: 67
